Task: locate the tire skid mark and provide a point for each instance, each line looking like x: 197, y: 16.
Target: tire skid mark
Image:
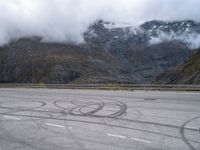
x: 182, y: 132
x: 73, y: 136
x: 100, y: 105
x: 91, y: 108
x: 98, y: 123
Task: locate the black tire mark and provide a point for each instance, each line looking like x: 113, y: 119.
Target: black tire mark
x: 182, y: 132
x: 40, y: 126
x: 100, y: 105
x: 89, y: 113
x: 77, y: 141
x: 98, y: 123
x: 21, y: 109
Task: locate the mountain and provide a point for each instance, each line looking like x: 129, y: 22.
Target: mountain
x: 30, y: 61
x: 188, y: 73
x: 107, y: 34
x: 111, y: 53
x: 133, y: 46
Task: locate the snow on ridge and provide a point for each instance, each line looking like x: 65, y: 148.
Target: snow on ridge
x: 125, y: 26
x: 156, y: 34
x: 115, y: 26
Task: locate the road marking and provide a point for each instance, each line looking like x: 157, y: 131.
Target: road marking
x: 141, y: 140
x: 55, y: 125
x: 10, y: 117
x: 124, y: 137
x: 118, y: 136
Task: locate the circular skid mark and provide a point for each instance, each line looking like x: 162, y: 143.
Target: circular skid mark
x: 93, y: 108
x: 86, y: 110
x: 18, y: 106
x: 114, y: 110
x: 184, y: 136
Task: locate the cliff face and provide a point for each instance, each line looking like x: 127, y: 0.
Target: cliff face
x: 188, y: 73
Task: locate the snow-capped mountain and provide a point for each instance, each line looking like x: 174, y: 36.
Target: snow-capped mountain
x: 153, y: 32
x: 148, y: 49
x: 119, y: 53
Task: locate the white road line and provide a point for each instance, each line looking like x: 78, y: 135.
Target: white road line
x: 10, y: 117
x: 55, y: 125
x: 124, y: 137
x: 141, y: 140
x: 118, y: 136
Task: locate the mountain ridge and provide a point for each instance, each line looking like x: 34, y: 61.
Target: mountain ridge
x: 108, y: 55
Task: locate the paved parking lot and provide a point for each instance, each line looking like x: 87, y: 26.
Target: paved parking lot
x: 47, y: 119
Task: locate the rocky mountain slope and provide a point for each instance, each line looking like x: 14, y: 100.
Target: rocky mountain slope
x: 188, y: 73
x: 106, y: 34
x: 29, y: 61
x: 110, y: 54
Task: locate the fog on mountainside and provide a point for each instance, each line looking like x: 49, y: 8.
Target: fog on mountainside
x: 66, y: 21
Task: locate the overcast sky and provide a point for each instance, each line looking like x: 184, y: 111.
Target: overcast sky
x: 66, y: 20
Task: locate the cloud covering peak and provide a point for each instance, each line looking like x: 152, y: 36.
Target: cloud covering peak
x: 67, y: 20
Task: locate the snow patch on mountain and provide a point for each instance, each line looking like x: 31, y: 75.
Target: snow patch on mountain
x: 109, y: 25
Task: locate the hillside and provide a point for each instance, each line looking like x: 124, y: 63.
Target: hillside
x: 110, y: 54
x: 29, y: 61
x: 188, y: 73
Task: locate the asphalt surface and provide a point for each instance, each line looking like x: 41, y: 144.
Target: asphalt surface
x: 47, y: 119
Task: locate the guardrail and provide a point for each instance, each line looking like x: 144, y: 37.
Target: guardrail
x: 104, y: 86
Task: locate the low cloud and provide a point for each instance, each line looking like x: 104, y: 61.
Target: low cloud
x: 192, y: 40
x: 67, y: 20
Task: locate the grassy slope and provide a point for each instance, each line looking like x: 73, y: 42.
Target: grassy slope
x: 188, y: 73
